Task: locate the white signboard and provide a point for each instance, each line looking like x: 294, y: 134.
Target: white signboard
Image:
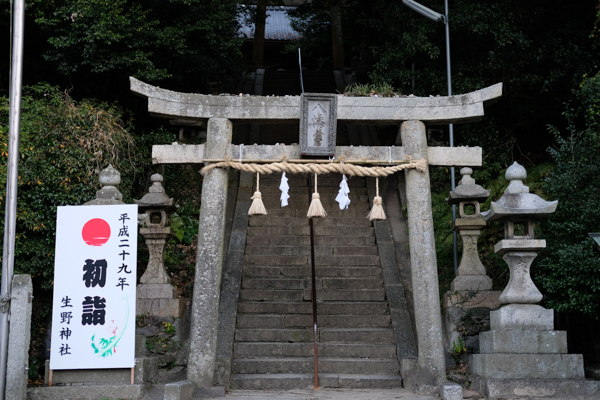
x: 93, y: 313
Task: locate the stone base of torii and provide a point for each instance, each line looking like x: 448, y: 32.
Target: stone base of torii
x: 411, y: 113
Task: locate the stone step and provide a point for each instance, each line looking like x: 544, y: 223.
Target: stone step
x: 348, y: 231
x: 298, y: 365
x: 274, y: 335
x: 300, y: 307
x: 351, y: 212
x: 335, y: 179
x: 291, y: 365
x: 365, y: 366
x: 251, y: 321
x: 348, y: 295
x: 275, y: 180
x: 274, y: 284
x: 298, y: 241
x: 305, y: 307
x: 370, y: 271
x: 291, y: 250
x: 256, y: 271
x: 268, y: 220
x: 273, y: 260
x: 357, y: 335
x: 301, y: 190
x: 328, y: 205
x: 275, y: 381
x: 344, y: 240
x: 276, y: 210
x: 339, y: 321
x: 294, y: 202
x: 328, y: 180
x: 322, y: 284
x: 282, y: 349
x: 353, y: 308
x: 277, y: 260
x: 357, y: 284
x: 342, y: 221
x: 279, y: 231
x: 271, y: 295
x: 322, y: 180
x: 360, y: 210
x: 294, y: 381
x: 324, y: 197
x: 345, y: 260
x: 358, y: 381
x: 284, y: 212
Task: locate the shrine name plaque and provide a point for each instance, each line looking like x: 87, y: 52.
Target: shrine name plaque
x: 318, y: 124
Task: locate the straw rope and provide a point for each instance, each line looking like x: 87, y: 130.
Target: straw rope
x: 342, y: 168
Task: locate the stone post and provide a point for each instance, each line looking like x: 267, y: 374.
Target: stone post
x: 18, y: 338
x: 428, y: 321
x: 209, y: 259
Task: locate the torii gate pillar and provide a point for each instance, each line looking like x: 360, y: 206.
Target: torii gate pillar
x: 209, y: 259
x: 428, y: 321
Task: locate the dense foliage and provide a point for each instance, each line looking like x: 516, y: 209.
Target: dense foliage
x: 63, y: 146
x: 570, y: 267
x: 151, y: 40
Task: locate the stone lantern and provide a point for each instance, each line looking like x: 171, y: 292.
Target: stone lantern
x: 468, y: 303
x: 155, y: 294
x: 522, y: 353
x: 471, y: 273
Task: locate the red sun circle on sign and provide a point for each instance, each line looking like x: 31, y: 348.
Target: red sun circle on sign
x: 96, y: 232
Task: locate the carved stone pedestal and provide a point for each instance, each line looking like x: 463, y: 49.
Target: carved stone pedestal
x: 155, y: 294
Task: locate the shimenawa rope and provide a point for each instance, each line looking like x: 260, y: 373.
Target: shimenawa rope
x: 342, y: 168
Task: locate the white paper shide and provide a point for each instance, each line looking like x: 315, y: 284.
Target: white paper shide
x: 93, y: 312
x: 342, y: 197
x: 285, y: 190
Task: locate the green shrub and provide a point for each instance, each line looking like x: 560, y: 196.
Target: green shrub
x: 569, y: 270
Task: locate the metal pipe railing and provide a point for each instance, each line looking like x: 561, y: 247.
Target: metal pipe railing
x: 313, y: 290
x: 10, y: 216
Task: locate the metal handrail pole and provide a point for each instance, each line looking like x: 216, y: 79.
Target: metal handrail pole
x: 313, y: 291
x: 10, y: 216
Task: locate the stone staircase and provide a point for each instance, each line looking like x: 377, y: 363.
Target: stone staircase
x: 273, y: 345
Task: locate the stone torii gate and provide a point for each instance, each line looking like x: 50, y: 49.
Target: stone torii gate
x: 411, y: 113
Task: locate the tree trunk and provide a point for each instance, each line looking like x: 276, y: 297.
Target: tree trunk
x: 259, y: 34
x: 336, y: 35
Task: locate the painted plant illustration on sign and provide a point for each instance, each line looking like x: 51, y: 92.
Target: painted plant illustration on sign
x: 108, y: 346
